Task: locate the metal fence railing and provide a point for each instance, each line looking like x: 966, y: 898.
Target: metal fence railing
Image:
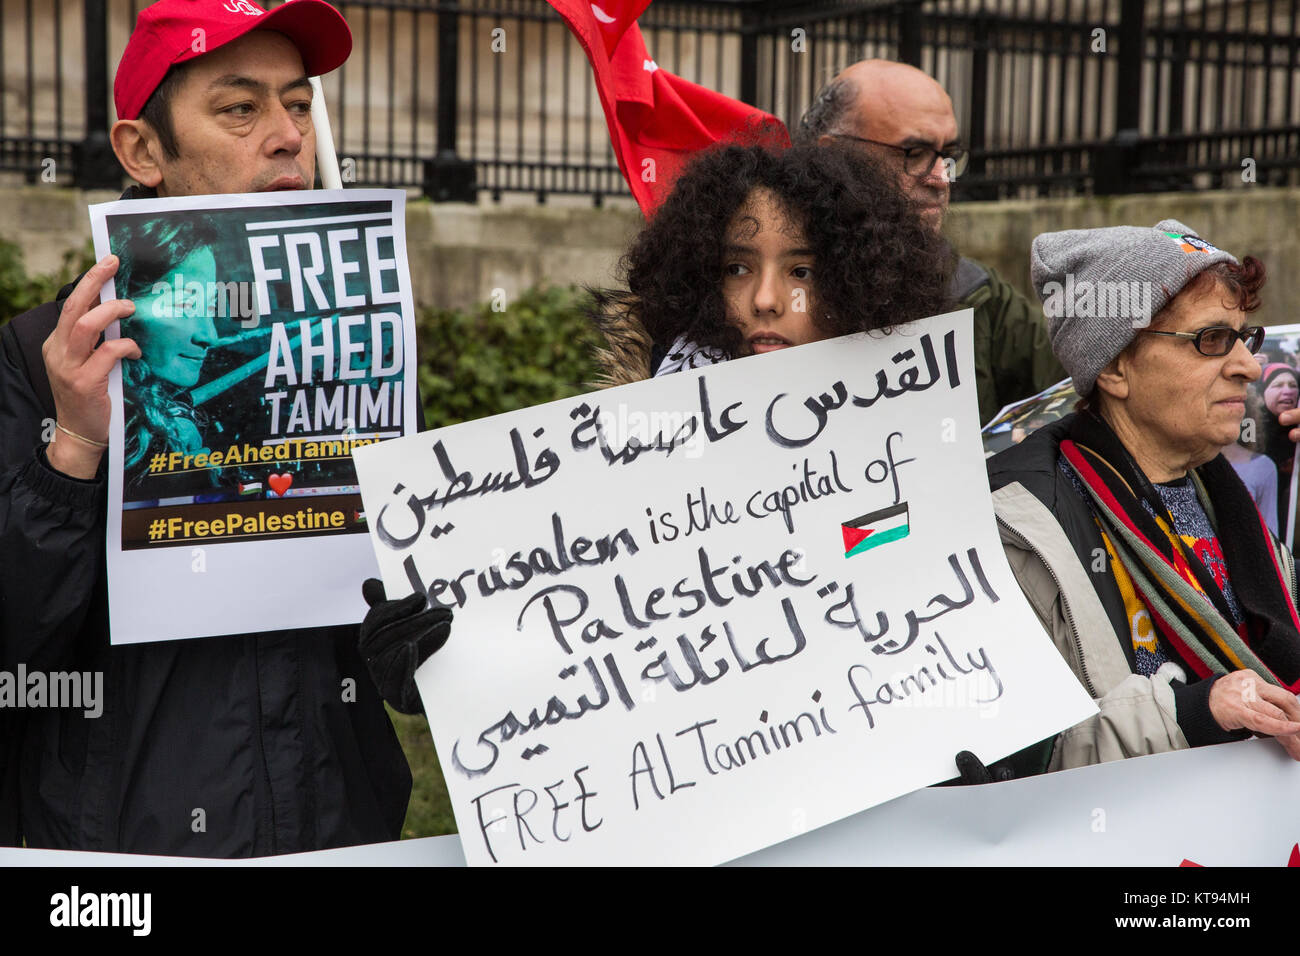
x: 1055, y: 97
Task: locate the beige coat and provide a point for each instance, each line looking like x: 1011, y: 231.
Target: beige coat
x: 1136, y: 713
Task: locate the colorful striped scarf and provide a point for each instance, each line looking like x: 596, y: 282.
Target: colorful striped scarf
x: 1177, y: 589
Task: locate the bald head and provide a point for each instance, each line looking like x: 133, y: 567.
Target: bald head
x: 891, y: 97
x: 895, y: 105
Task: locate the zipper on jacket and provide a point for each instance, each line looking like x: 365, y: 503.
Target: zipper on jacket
x: 1069, y: 617
x: 261, y: 743
x: 1288, y: 561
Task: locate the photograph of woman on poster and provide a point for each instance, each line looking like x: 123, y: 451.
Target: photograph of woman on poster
x: 1278, y: 390
x: 169, y: 270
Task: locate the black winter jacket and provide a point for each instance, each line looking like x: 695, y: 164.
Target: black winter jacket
x: 217, y: 747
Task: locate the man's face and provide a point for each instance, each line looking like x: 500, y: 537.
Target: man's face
x: 912, y: 112
x: 242, y: 118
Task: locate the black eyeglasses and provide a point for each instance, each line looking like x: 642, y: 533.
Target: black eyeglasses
x: 919, y: 160
x: 1218, y: 340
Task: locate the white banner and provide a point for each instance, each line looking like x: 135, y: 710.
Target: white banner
x: 697, y: 615
x: 1230, y: 805
x: 274, y: 331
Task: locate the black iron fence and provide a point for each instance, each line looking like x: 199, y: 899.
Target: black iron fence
x: 1055, y: 97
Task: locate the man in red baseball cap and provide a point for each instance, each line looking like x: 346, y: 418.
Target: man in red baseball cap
x: 234, y: 746
x: 212, y: 96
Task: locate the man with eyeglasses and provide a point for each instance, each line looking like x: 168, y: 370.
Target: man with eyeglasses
x: 906, y: 119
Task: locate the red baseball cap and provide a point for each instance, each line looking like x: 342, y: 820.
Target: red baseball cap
x: 168, y: 32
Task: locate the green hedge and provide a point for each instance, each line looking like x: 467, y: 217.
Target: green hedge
x: 473, y: 362
x: 20, y: 291
x: 480, y: 362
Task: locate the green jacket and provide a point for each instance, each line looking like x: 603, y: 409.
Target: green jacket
x: 1013, y: 357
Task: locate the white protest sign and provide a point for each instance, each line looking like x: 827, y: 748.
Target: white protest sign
x: 273, y: 330
x: 699, y: 615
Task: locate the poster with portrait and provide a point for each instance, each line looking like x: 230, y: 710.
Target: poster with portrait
x: 1265, y: 457
x: 276, y: 333
x: 1017, y: 421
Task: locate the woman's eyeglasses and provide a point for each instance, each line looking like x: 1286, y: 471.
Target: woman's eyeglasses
x: 1218, y: 340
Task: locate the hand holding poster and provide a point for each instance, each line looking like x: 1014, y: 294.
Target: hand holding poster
x: 274, y: 330
x: 698, y: 615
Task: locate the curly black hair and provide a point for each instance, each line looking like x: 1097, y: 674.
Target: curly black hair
x: 877, y: 262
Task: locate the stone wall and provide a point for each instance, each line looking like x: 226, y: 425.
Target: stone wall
x: 460, y: 253
x: 1256, y: 220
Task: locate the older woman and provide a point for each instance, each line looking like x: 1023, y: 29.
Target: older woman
x: 1137, y: 544
x: 1280, y: 387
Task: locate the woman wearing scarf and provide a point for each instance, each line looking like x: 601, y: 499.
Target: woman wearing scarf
x: 1138, y: 546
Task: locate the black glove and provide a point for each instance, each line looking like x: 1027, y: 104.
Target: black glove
x: 396, y: 638
x: 972, y: 771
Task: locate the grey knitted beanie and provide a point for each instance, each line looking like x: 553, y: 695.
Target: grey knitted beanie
x: 1099, y: 286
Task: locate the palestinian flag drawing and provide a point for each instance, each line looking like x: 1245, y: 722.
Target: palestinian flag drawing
x: 250, y: 488
x: 877, y: 528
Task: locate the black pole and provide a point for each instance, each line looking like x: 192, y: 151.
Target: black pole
x: 448, y: 85
x: 979, y: 85
x: 1128, y: 91
x: 97, y: 167
x: 749, y: 20
x: 447, y: 177
x: 1177, y: 80
x: 1115, y: 161
x: 909, y: 33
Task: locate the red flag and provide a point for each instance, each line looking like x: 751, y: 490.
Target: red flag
x: 656, y: 120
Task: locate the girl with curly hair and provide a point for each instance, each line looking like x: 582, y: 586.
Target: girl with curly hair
x: 168, y: 269
x: 758, y: 249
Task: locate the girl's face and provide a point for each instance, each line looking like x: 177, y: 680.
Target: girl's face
x: 1281, y: 393
x: 175, y: 332
x: 767, y: 282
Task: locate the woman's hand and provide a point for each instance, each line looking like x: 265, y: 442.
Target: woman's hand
x: 1244, y: 699
x: 78, y: 371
